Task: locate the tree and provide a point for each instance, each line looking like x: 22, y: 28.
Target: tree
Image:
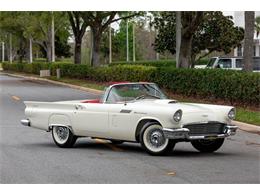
x: 40, y: 29
x: 99, y: 22
x: 79, y: 27
x: 215, y: 32
x: 190, y: 23
x: 249, y: 40
x: 257, y: 25
x: 12, y: 27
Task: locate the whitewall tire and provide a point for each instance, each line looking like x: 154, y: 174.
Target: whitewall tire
x: 153, y: 140
x: 63, y: 136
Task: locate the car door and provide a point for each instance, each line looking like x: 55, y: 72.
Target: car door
x: 91, y: 119
x: 122, y: 121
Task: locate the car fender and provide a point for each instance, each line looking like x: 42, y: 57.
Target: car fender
x: 59, y: 120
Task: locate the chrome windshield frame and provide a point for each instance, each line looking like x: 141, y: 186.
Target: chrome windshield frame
x: 108, y: 90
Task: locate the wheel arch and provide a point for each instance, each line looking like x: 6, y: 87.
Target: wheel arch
x: 141, y: 124
x: 59, y: 120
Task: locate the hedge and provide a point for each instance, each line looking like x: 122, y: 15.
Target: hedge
x: 156, y: 63
x: 228, y: 85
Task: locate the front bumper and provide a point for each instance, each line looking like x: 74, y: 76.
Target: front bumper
x: 183, y: 133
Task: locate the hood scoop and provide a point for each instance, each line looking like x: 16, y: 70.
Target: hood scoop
x: 165, y: 102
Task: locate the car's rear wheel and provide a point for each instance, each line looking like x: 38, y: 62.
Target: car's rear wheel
x: 207, y: 146
x: 153, y: 140
x: 63, y: 137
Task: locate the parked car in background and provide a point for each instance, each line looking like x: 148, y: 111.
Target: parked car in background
x: 134, y: 112
x: 233, y: 63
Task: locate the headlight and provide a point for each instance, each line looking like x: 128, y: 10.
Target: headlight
x: 232, y: 114
x: 177, y: 116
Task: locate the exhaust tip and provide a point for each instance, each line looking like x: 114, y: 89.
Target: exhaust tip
x: 25, y: 122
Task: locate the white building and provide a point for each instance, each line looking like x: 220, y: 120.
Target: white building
x: 239, y: 20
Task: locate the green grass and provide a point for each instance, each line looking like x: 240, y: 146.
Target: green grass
x: 248, y: 116
x: 80, y: 82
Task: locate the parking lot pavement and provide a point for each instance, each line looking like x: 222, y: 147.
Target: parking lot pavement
x: 28, y: 155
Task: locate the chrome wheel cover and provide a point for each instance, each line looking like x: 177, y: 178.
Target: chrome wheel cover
x: 61, y: 134
x: 154, y: 138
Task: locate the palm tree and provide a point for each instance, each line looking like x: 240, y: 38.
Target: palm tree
x: 249, y: 40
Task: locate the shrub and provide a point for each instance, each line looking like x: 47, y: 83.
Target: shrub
x: 229, y: 85
x: 156, y: 63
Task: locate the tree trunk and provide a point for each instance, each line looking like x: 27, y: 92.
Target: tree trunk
x: 77, y: 52
x: 178, y: 37
x: 96, y: 48
x: 48, y: 52
x: 185, y: 52
x: 249, y: 40
x: 10, y: 49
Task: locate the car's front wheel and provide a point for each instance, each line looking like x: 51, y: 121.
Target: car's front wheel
x: 207, y: 146
x: 153, y: 140
x: 63, y: 137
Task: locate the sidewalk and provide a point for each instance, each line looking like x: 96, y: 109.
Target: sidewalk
x: 242, y: 126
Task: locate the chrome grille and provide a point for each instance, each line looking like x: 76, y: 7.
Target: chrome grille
x: 205, y: 128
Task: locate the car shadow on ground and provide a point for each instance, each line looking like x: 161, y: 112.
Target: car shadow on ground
x: 131, y: 148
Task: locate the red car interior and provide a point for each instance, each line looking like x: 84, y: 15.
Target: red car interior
x: 95, y: 101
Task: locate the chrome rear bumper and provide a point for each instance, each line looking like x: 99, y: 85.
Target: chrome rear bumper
x: 25, y: 122
x: 183, y: 133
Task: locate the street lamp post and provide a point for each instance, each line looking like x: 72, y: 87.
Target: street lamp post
x: 133, y: 42
x: 52, y: 39
x: 10, y: 49
x: 30, y: 51
x: 127, y: 42
x: 110, y: 45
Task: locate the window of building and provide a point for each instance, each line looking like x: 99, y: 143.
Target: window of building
x: 239, y: 63
x: 239, y: 51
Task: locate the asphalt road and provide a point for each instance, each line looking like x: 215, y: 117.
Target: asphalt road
x: 28, y: 155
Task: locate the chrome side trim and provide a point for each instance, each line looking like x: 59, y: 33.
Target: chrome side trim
x: 183, y: 133
x: 26, y: 122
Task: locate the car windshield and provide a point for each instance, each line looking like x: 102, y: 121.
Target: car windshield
x: 211, y: 62
x: 133, y: 92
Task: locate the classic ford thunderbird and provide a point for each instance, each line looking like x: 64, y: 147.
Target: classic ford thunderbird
x: 134, y: 112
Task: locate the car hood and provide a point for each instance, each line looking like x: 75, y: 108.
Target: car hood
x: 174, y: 104
x: 191, y: 113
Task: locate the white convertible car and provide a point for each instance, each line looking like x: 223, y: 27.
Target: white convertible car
x: 134, y: 112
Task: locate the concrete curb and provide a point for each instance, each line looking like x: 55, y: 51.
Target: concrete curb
x: 242, y: 126
x: 247, y: 127
x: 95, y: 91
